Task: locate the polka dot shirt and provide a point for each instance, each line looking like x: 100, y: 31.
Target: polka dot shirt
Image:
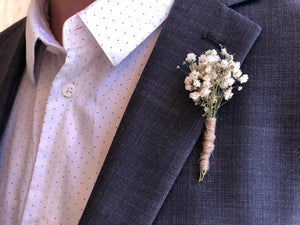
x: 69, y: 106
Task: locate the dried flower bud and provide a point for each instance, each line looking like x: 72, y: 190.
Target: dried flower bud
x: 243, y: 79
x: 191, y: 57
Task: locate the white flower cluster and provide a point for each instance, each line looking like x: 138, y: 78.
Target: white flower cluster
x: 211, y: 79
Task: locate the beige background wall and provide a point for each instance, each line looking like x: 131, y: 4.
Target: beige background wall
x: 11, y: 11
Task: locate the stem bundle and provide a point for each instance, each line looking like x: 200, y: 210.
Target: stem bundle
x: 208, y: 146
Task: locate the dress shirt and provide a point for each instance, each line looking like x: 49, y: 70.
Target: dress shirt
x: 69, y: 106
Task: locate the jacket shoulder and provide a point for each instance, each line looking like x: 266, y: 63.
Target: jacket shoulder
x: 12, y: 55
x: 12, y: 43
x: 12, y: 34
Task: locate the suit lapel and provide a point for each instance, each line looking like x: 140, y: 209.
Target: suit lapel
x: 234, y: 2
x: 161, y: 125
x: 12, y: 56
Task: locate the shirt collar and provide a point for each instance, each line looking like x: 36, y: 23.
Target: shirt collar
x: 37, y: 28
x: 107, y: 21
x: 120, y: 26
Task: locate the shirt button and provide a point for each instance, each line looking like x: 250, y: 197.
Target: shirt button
x: 68, y: 90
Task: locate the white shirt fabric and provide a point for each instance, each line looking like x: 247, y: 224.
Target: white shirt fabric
x: 69, y: 106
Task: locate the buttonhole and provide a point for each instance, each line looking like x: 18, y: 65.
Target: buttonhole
x: 213, y: 41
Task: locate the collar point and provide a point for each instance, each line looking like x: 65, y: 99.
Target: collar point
x: 30, y: 74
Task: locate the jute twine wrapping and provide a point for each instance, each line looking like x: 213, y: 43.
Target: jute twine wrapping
x: 208, y: 145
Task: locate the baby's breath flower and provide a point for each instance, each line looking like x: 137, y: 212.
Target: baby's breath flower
x: 194, y: 74
x: 195, y: 96
x: 236, y: 67
x: 228, y: 94
x: 202, y: 60
x: 191, y: 57
x: 206, y: 77
x: 230, y: 81
x: 226, y: 83
x: 224, y: 51
x: 214, y: 75
x: 188, y: 80
x: 227, y: 74
x: 237, y: 74
x: 204, y: 92
x: 210, y: 83
x: 213, y: 58
x: 189, y: 87
x: 193, y: 66
x: 224, y: 63
x: 211, y: 79
x: 207, y: 84
x: 211, y: 52
x: 243, y: 79
x: 229, y: 57
x: 201, y: 75
x: 196, y: 83
x: 208, y: 69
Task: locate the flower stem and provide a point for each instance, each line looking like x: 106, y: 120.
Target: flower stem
x: 208, y: 146
x: 202, y: 174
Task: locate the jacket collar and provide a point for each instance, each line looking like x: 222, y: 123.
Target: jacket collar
x: 161, y: 125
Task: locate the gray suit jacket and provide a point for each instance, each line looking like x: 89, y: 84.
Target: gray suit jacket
x: 150, y: 174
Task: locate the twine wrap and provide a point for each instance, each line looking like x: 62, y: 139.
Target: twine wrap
x: 208, y: 146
